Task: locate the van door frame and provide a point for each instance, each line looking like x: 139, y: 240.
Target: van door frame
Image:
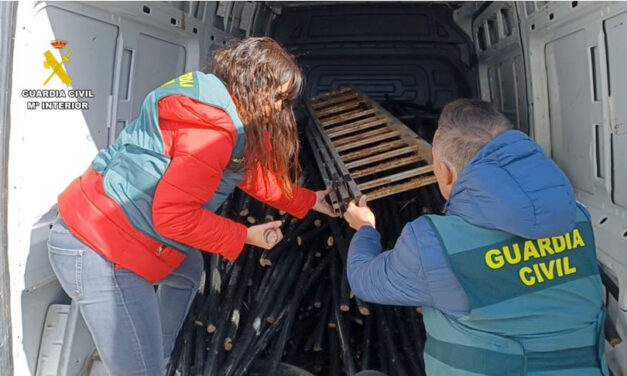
x: 8, y: 13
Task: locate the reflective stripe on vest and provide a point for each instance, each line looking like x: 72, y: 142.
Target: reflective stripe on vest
x: 535, y: 305
x: 133, y: 166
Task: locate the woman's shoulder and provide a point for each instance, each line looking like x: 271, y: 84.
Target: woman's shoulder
x: 183, y: 111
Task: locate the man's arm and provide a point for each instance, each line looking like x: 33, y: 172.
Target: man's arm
x: 390, y: 277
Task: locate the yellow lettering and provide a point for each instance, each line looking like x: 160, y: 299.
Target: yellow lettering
x: 560, y: 271
x: 536, y: 269
x: 494, y: 259
x: 577, y: 239
x: 567, y: 268
x: 515, y: 259
x: 544, y: 245
x: 525, y: 276
x: 548, y: 272
x: 559, y: 245
x: 169, y: 82
x: 568, y: 243
x: 530, y: 250
x: 186, y: 80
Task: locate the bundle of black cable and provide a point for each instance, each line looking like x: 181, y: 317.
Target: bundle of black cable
x: 290, y: 311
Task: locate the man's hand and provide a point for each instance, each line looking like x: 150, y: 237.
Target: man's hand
x: 256, y: 235
x: 359, y: 216
x: 322, y: 206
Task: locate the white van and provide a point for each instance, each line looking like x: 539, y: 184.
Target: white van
x: 556, y: 69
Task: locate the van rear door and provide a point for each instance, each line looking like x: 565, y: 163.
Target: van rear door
x: 7, y: 31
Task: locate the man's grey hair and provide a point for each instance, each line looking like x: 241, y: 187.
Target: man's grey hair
x: 465, y: 126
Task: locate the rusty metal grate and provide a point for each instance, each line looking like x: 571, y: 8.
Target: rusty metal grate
x: 360, y: 148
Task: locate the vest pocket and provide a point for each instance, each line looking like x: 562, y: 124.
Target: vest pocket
x: 474, y: 359
x: 458, y: 347
x: 130, y: 180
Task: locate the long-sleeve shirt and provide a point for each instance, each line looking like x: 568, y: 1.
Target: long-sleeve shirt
x: 199, y: 138
x: 413, y: 273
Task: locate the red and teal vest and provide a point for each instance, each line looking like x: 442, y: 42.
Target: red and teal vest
x: 125, y: 175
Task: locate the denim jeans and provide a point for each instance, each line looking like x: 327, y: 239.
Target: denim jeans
x: 134, y: 325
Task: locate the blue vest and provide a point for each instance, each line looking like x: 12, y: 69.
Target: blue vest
x: 535, y: 306
x: 134, y: 164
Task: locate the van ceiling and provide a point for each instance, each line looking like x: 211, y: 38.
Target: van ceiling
x: 410, y: 52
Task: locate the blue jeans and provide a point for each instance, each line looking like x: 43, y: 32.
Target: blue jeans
x: 133, y: 325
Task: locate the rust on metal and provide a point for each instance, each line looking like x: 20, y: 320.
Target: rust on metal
x: 395, y: 178
x: 347, y: 157
x: 386, y: 166
x: 381, y: 156
x: 394, y: 189
x: 321, y: 99
x: 339, y: 108
x: 347, y: 116
x: 357, y: 126
x: 368, y: 141
x: 362, y: 136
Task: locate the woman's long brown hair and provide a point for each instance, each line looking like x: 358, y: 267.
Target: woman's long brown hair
x: 254, y: 69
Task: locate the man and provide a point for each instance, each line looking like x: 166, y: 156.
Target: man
x: 507, y: 278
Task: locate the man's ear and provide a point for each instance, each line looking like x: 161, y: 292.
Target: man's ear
x: 445, y: 176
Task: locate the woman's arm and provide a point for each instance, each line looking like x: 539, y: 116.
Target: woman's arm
x: 302, y: 201
x: 188, y: 183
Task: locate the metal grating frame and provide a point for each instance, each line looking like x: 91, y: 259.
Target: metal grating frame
x: 360, y: 148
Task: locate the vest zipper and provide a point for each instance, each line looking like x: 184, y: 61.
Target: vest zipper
x: 161, y: 249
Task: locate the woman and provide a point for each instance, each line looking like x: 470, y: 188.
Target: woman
x: 142, y: 210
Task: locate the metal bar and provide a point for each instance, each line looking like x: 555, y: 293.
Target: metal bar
x: 359, y: 125
x: 345, y: 175
x: 396, y: 177
x: 380, y: 157
x: 386, y: 166
x: 361, y: 136
x: 412, y: 184
x: 367, y: 141
x: 351, y: 132
x: 323, y: 172
x: 337, y: 177
x: 424, y: 149
x: 317, y: 99
x: 338, y: 108
x: 372, y: 150
x: 347, y: 116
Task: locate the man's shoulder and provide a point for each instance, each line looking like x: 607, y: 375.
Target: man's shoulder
x: 448, y: 295
x: 584, y: 210
x: 428, y: 246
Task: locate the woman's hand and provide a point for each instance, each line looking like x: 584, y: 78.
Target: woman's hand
x: 260, y: 235
x: 359, y: 216
x: 322, y: 206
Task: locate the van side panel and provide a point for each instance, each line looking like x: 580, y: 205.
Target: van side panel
x: 7, y: 30
x: 120, y: 51
x: 497, y: 41
x: 575, y: 59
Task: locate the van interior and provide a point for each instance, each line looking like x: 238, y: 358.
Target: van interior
x: 555, y: 69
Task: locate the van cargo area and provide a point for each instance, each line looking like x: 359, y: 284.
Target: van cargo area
x: 555, y: 69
